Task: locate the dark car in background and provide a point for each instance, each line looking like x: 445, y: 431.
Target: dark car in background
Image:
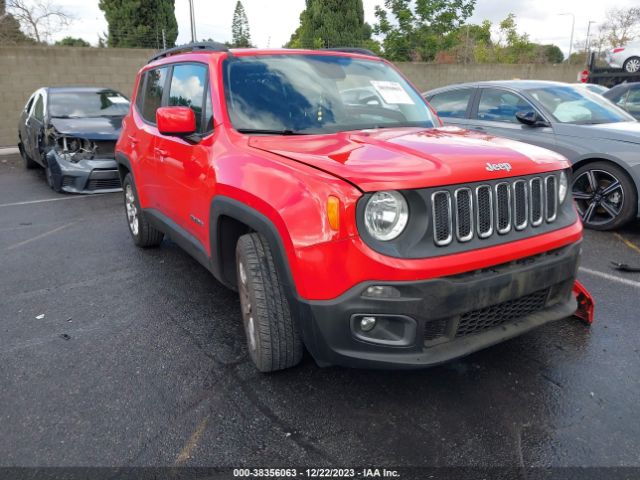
x: 627, y: 97
x: 601, y: 140
x: 71, y: 132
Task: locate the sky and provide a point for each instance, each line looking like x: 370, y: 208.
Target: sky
x: 273, y: 21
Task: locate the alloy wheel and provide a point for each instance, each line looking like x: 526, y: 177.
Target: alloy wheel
x: 132, y: 209
x: 632, y: 65
x: 245, y: 305
x: 599, y: 196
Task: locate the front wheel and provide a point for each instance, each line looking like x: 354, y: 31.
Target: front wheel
x: 143, y: 233
x: 605, y: 196
x: 632, y: 65
x: 28, y: 163
x: 272, y: 334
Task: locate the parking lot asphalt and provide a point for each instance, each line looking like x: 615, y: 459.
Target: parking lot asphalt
x: 112, y: 356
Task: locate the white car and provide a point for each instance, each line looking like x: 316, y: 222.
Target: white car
x: 626, y: 58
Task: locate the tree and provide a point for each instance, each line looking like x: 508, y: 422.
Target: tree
x: 140, y: 23
x: 621, y: 25
x: 552, y: 54
x: 240, y: 33
x: 333, y: 23
x: 418, y: 30
x: 38, y: 18
x: 10, y: 33
x: 72, y: 42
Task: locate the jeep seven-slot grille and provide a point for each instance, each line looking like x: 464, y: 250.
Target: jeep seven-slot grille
x: 487, y: 210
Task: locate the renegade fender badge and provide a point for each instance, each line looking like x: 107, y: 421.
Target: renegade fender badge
x: 492, y: 167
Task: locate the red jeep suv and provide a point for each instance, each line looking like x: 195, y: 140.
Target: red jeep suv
x: 322, y: 187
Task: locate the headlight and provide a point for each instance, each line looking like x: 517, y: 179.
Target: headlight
x: 563, y: 187
x: 386, y: 215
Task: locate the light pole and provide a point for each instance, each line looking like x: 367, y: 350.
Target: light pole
x: 193, y: 21
x: 586, y: 45
x: 573, y: 25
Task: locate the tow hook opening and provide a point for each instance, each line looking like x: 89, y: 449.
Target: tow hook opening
x: 586, y: 304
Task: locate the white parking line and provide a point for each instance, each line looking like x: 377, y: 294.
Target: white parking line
x: 31, y: 202
x: 613, y: 278
x: 38, y: 237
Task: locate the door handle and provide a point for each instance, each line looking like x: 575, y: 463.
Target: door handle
x: 482, y: 129
x: 161, y: 153
x: 133, y: 139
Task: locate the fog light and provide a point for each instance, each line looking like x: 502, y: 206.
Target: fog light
x: 381, y: 291
x: 367, y: 323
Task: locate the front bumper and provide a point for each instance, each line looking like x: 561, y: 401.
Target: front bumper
x: 430, y: 322
x: 86, y: 176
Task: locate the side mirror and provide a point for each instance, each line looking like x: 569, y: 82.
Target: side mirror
x: 176, y: 121
x: 532, y: 119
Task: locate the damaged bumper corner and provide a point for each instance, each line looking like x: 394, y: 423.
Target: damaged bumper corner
x: 586, y: 304
x: 98, y: 175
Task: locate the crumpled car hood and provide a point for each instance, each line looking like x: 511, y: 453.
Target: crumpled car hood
x: 406, y: 158
x: 98, y: 128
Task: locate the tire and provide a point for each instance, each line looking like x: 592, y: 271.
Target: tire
x: 614, y: 201
x: 144, y: 235
x: 28, y: 163
x: 631, y: 65
x: 273, y: 339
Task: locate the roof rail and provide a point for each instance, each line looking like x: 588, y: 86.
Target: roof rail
x: 191, y: 47
x: 361, y: 51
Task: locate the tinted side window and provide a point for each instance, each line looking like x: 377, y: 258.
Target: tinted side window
x: 501, y: 106
x: 38, y: 111
x: 634, y: 97
x: 187, y: 89
x: 140, y: 92
x: 208, y: 114
x: 153, y: 91
x: 453, y: 103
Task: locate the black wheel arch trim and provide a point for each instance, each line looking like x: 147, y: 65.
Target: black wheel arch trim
x: 222, y: 206
x: 122, y: 159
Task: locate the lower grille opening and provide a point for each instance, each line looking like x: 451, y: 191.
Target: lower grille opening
x: 477, y: 321
x: 68, y: 181
x: 103, y: 184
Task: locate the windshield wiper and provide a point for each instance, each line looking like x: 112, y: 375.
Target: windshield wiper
x: 270, y: 131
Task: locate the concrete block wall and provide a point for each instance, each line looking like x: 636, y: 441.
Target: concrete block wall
x: 25, y: 69
x: 427, y: 76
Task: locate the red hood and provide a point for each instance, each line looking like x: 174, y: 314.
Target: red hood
x: 412, y: 158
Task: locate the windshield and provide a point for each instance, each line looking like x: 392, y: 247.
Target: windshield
x: 105, y: 103
x: 291, y: 94
x: 569, y: 104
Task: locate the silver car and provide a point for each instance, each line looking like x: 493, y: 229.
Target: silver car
x: 626, y: 57
x: 600, y: 139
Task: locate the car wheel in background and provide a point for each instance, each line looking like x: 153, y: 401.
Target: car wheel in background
x: 144, y: 235
x: 272, y: 334
x: 631, y: 65
x: 26, y: 159
x: 605, y: 195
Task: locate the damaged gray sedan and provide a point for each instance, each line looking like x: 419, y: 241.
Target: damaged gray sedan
x: 71, y: 132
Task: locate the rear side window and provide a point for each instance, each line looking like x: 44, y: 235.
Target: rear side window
x: 187, y: 89
x: 140, y: 92
x: 501, y: 106
x: 38, y: 111
x: 27, y: 107
x: 153, y: 91
x: 453, y: 103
